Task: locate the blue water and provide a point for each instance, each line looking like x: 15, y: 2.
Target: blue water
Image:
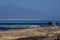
x: 26, y: 22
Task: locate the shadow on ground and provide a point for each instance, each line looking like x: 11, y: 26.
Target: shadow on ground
x: 30, y: 38
x: 37, y: 38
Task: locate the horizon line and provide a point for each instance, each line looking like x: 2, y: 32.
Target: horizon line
x: 29, y: 19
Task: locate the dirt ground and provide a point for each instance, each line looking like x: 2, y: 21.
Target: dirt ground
x: 34, y: 33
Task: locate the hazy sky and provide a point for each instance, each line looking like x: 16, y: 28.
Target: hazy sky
x: 48, y: 9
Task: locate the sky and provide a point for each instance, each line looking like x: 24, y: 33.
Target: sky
x: 30, y: 9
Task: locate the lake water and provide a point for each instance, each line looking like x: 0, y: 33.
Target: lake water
x: 26, y: 22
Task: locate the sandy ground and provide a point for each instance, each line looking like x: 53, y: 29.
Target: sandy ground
x: 48, y: 32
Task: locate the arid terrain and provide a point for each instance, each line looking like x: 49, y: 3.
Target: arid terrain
x: 32, y: 33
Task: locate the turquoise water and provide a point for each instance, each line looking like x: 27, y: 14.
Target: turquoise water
x: 27, y: 21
